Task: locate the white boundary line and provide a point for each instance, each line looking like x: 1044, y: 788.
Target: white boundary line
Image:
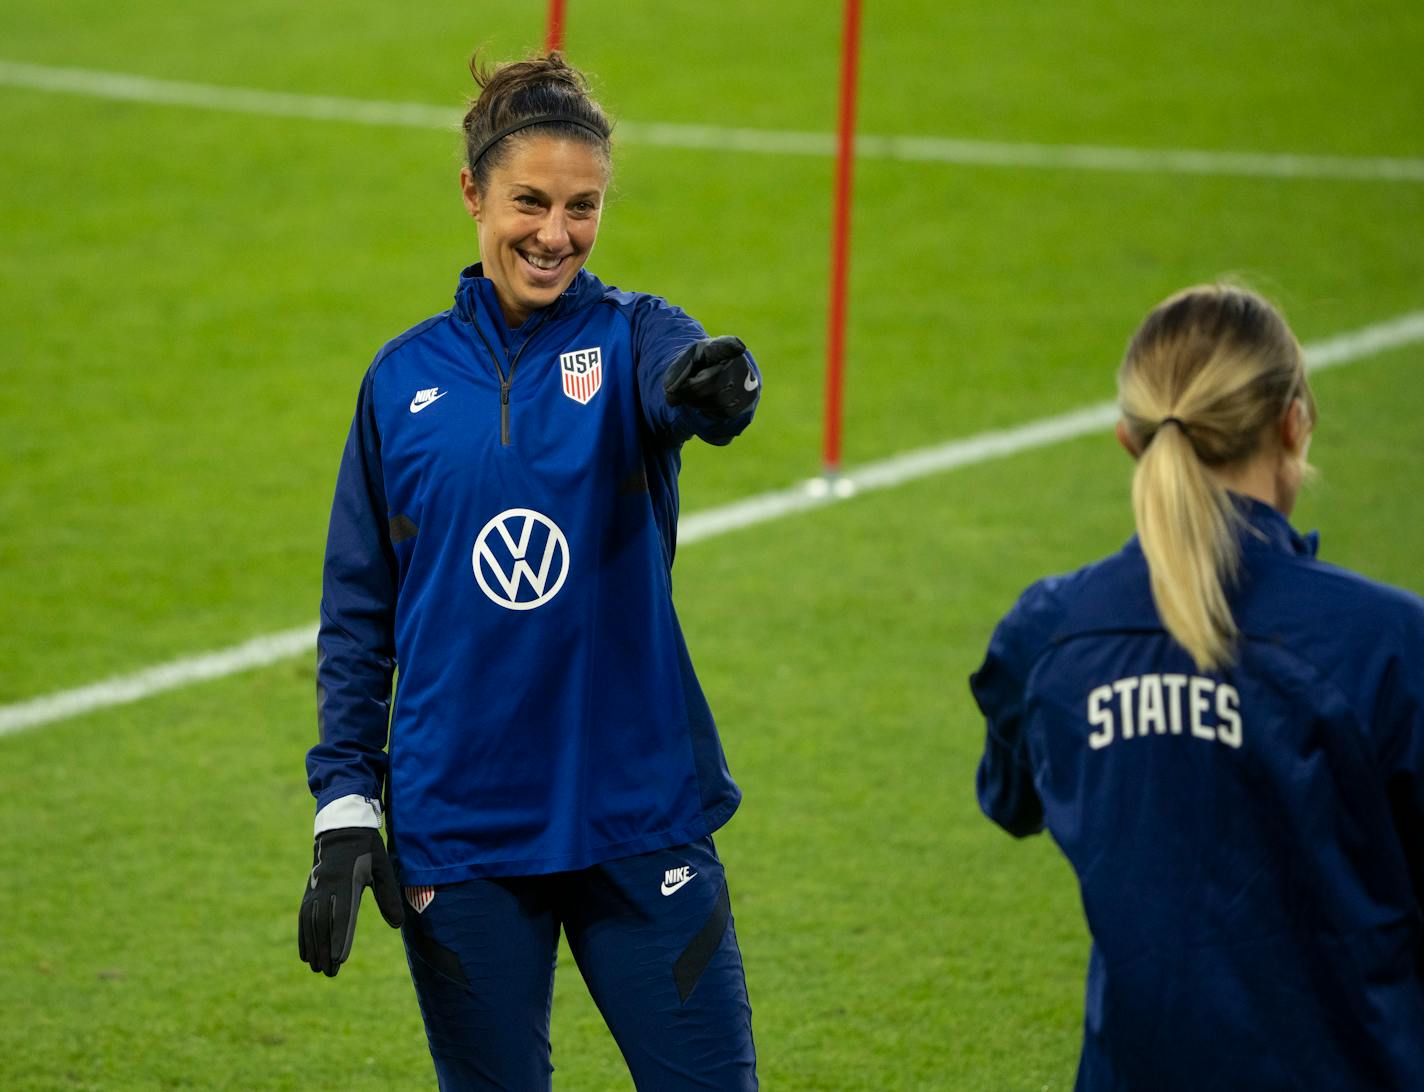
x: 922, y: 462
x: 145, y: 89
x: 885, y: 474
x: 122, y: 689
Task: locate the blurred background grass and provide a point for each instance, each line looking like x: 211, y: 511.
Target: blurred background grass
x: 188, y: 299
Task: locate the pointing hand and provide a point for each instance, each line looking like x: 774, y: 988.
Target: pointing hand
x: 714, y: 376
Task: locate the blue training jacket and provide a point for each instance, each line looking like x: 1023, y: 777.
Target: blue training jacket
x: 1250, y: 842
x: 503, y: 532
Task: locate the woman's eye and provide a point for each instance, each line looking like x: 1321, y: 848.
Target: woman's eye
x: 526, y: 202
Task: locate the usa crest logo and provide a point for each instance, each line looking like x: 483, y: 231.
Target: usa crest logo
x: 583, y: 373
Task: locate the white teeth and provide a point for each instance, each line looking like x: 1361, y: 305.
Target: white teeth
x: 541, y: 263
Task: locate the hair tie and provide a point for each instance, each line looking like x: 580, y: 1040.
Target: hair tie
x: 1187, y: 432
x: 542, y: 119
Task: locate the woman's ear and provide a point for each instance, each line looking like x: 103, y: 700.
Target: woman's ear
x: 470, y: 192
x: 1125, y: 439
x: 1296, y: 428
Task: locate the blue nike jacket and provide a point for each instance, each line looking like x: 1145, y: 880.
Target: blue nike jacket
x: 1250, y: 842
x: 502, y: 535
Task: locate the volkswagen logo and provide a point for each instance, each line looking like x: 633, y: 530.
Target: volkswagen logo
x: 521, y: 559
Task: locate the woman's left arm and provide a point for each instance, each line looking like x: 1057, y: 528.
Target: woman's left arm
x: 689, y: 384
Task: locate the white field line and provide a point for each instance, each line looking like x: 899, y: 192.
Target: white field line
x: 922, y: 462
x: 144, y: 89
x: 122, y: 689
x: 762, y: 508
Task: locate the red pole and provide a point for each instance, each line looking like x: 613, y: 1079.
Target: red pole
x: 840, y: 239
x: 554, y: 36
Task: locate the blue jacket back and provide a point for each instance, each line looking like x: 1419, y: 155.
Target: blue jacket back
x: 1249, y: 842
x: 501, y: 537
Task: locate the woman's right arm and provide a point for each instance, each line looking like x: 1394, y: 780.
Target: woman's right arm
x: 1005, y: 785
x: 356, y: 642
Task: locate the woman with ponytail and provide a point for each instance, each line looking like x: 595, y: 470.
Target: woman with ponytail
x: 502, y: 533
x: 1226, y: 738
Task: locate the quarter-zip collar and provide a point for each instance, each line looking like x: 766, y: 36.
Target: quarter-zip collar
x: 476, y: 301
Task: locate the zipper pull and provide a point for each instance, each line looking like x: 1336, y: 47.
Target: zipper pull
x: 504, y: 409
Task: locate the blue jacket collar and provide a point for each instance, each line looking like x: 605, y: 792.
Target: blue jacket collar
x: 475, y: 298
x: 1270, y: 528
x: 1265, y: 529
x: 1128, y: 603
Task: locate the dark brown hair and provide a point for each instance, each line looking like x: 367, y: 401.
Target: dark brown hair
x: 541, y: 87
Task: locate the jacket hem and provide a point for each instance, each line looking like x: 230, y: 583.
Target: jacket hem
x: 568, y: 862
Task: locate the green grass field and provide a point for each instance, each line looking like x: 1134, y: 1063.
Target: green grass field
x: 188, y: 299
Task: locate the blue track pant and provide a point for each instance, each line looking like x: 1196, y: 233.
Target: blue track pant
x: 653, y: 937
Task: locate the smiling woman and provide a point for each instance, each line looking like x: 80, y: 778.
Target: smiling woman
x: 551, y: 763
x: 539, y: 220
x: 538, y: 164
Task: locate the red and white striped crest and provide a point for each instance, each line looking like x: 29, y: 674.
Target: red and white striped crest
x: 583, y: 373
x: 419, y: 898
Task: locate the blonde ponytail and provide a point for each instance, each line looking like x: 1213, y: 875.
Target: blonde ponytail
x: 1208, y: 374
x: 1186, y: 524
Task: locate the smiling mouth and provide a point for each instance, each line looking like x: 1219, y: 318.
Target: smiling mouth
x: 542, y: 264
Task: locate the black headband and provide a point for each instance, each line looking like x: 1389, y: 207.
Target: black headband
x: 542, y: 119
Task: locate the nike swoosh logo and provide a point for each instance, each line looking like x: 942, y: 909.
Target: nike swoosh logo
x: 751, y: 382
x: 674, y: 888
x: 416, y: 407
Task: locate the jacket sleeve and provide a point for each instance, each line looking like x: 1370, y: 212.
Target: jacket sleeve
x: 1401, y: 734
x: 660, y: 332
x: 1005, y: 785
x: 356, y: 639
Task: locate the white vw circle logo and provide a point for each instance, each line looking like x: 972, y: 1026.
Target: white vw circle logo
x: 503, y: 551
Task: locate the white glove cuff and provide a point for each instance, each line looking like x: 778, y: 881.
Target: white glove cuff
x: 348, y: 811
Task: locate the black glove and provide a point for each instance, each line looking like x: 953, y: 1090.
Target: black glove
x: 713, y: 375
x: 344, y: 863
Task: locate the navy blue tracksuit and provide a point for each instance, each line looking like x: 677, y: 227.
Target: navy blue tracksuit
x: 1249, y: 842
x: 502, y: 534
x: 503, y: 530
